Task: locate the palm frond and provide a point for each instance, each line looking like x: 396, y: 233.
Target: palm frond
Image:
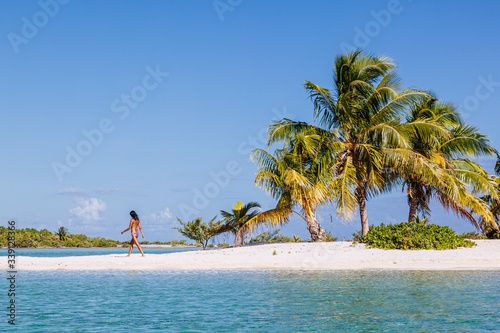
x: 344, y: 188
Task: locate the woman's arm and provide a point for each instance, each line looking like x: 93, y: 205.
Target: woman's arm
x: 130, y: 226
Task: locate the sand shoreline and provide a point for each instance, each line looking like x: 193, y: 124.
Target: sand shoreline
x: 104, y: 247
x: 282, y: 256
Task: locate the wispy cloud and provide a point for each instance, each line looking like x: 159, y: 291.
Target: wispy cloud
x: 72, y: 191
x: 106, y: 191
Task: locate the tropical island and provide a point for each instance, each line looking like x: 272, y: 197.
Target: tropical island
x: 370, y: 136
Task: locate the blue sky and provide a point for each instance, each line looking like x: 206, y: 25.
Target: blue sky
x: 162, y: 101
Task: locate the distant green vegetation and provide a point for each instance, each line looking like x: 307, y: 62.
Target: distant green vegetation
x: 31, y: 237
x: 270, y: 236
x: 174, y: 242
x: 414, y: 236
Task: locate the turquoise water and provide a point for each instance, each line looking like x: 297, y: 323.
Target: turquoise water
x: 257, y: 301
x: 78, y: 251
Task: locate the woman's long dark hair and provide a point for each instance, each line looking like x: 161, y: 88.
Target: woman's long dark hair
x: 134, y: 215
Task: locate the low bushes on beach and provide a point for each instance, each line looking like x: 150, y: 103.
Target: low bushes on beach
x: 174, y: 242
x: 275, y: 236
x: 473, y: 235
x: 414, y: 236
x: 270, y: 236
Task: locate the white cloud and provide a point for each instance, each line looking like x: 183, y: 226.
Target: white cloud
x: 162, y: 215
x: 158, y: 222
x: 88, y: 210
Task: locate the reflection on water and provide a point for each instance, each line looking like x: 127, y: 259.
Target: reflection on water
x: 228, y: 301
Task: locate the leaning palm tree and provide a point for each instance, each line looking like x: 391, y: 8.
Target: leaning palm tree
x: 448, y: 149
x: 360, y: 118
x: 236, y: 219
x: 298, y: 177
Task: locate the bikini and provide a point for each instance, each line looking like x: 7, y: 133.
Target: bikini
x: 136, y: 233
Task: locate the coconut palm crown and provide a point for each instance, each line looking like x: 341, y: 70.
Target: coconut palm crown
x: 297, y: 176
x: 450, y: 151
x: 361, y: 118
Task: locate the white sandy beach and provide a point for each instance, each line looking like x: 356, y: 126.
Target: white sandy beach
x: 288, y: 256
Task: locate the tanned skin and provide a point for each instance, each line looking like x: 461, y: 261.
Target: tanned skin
x: 134, y: 224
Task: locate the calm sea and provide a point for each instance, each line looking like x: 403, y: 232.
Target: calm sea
x: 256, y: 301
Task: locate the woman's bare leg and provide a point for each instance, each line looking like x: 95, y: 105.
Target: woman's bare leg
x: 138, y: 245
x: 131, y: 247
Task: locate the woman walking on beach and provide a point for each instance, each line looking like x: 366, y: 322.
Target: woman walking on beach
x: 134, y: 224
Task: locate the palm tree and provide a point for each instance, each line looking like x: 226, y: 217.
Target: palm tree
x: 447, y: 149
x: 296, y: 176
x: 62, y: 233
x: 492, y: 228
x: 360, y: 118
x: 236, y: 219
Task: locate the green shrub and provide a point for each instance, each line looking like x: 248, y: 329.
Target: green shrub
x: 356, y: 236
x: 330, y: 237
x: 473, y: 235
x: 222, y: 245
x: 198, y: 231
x: 414, y: 236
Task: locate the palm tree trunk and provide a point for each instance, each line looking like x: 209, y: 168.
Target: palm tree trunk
x: 361, y: 197
x: 239, y: 237
x: 413, y: 204
x: 318, y: 234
